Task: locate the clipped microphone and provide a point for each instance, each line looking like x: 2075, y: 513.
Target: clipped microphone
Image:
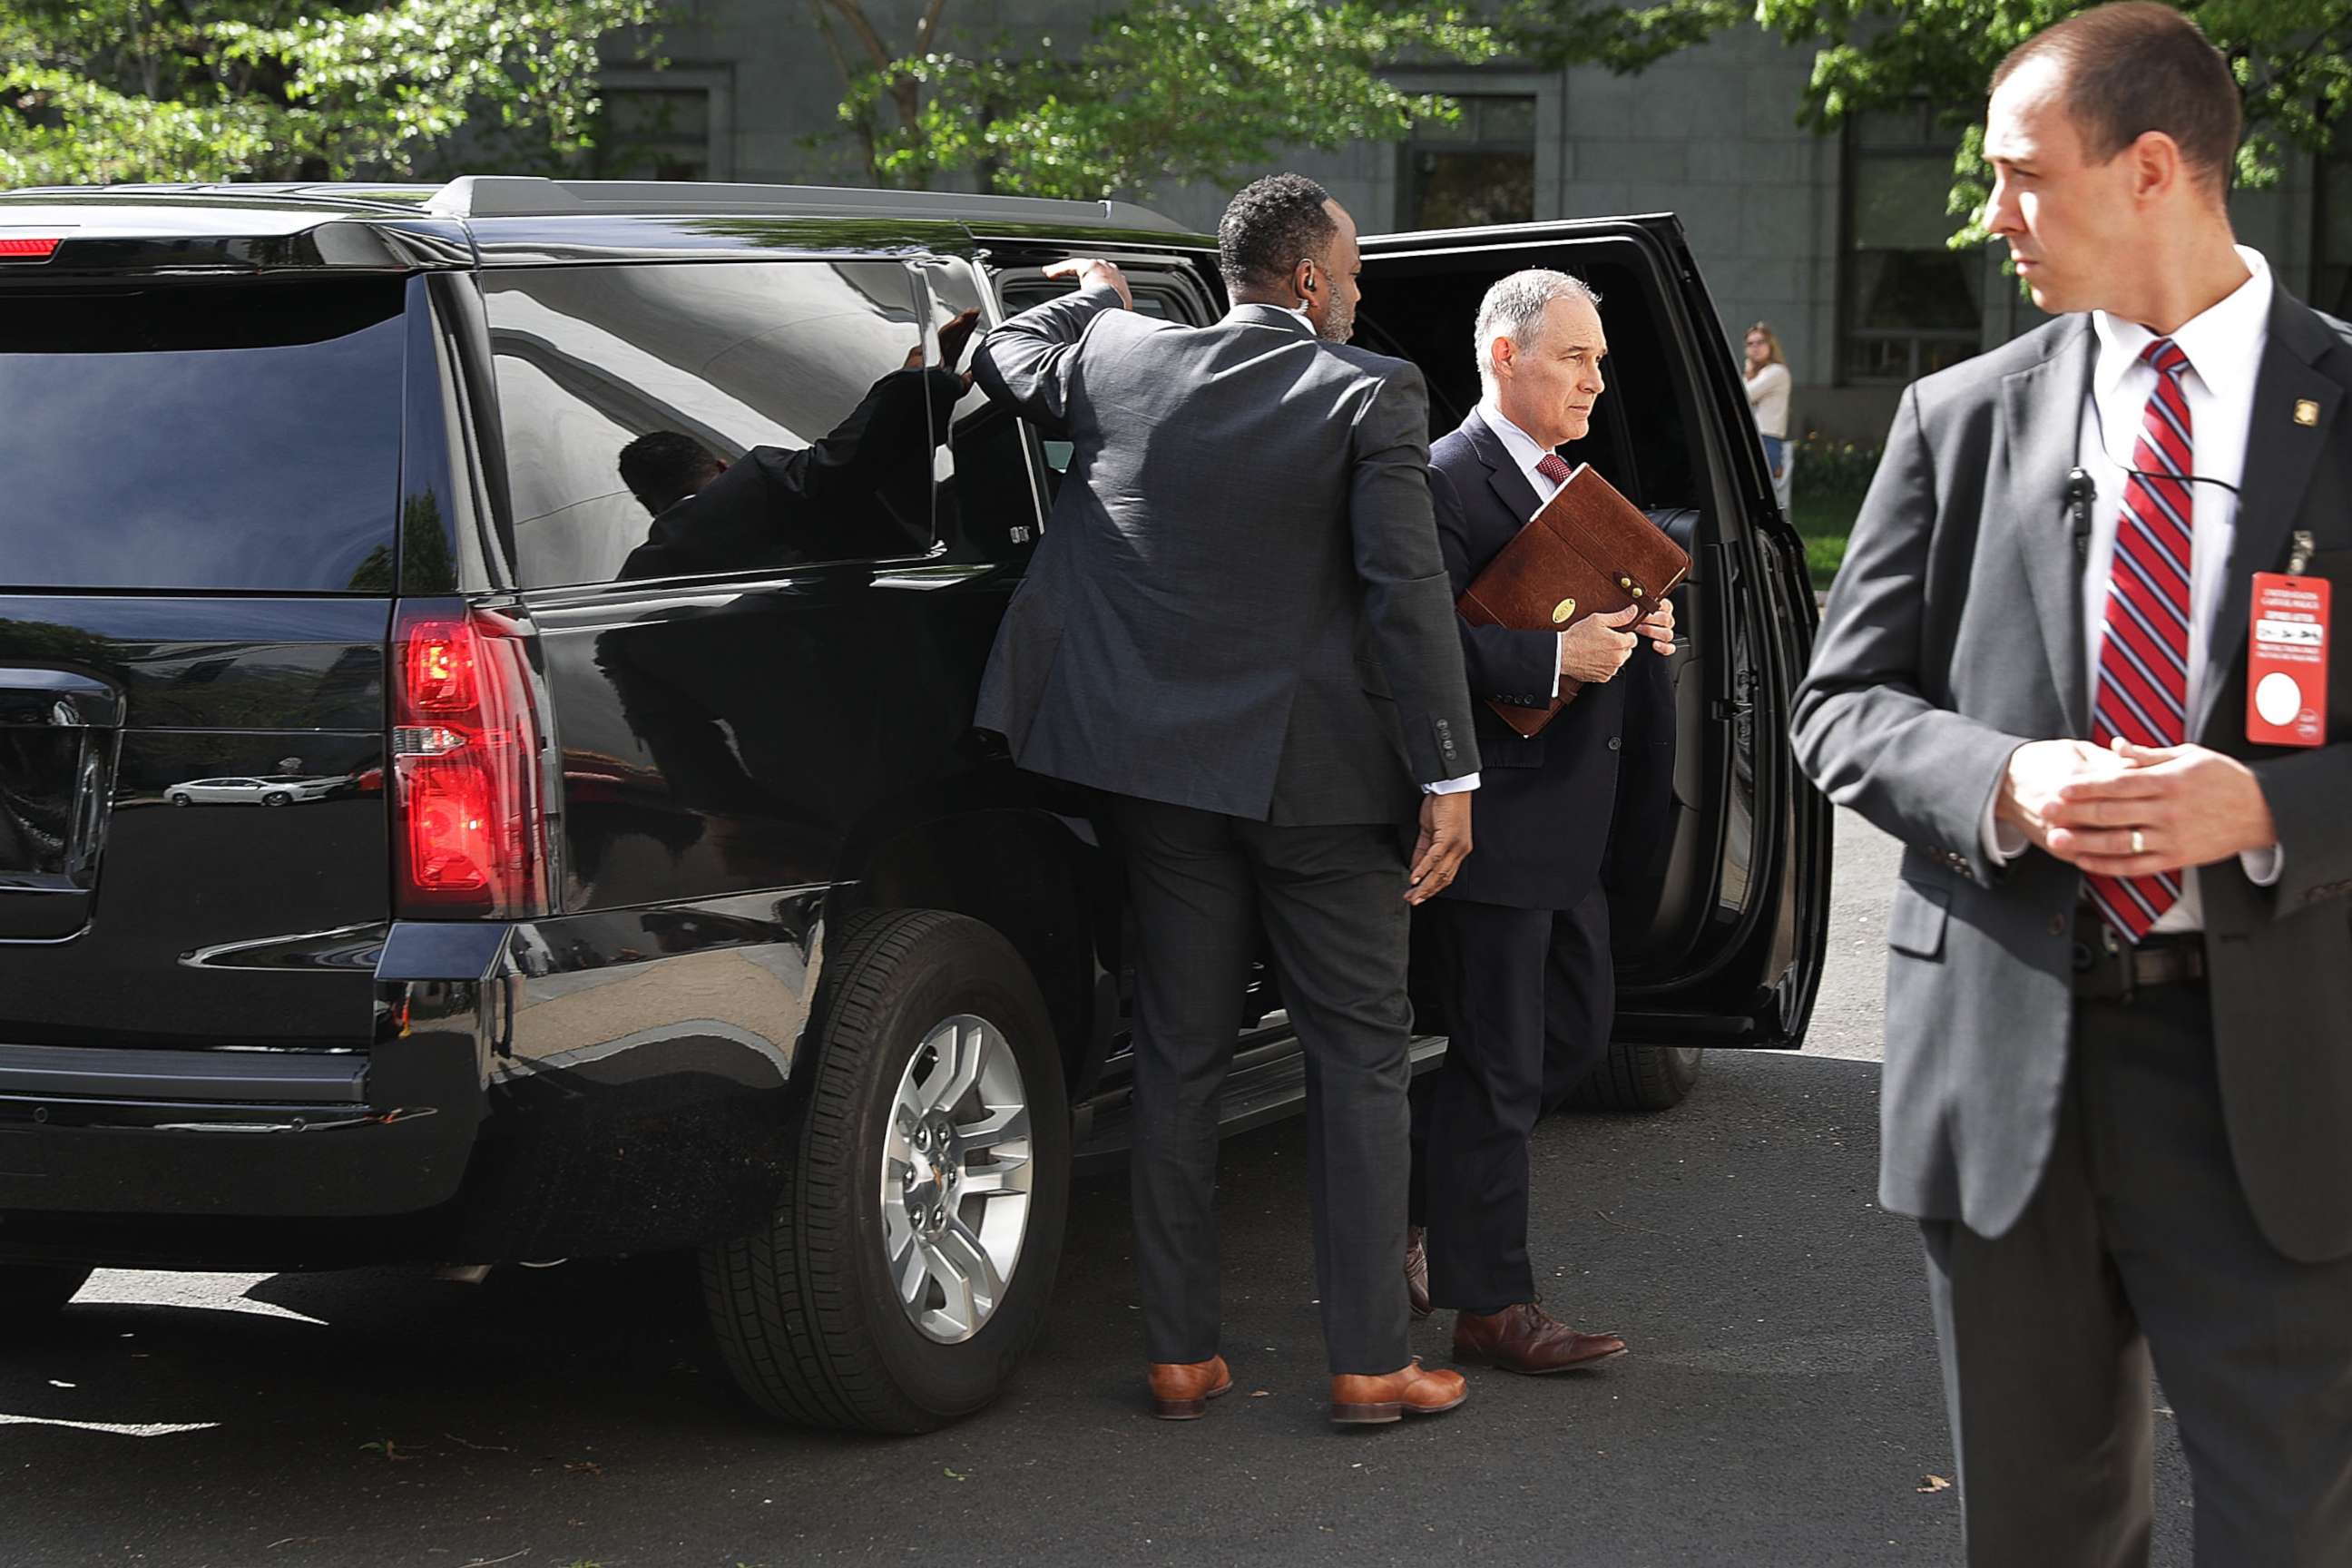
x: 2081, y: 491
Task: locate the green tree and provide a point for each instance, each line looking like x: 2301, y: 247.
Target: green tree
x: 2289, y: 56
x: 1163, y: 90
x: 97, y: 90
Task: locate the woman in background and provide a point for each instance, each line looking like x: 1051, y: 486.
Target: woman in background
x: 1768, y: 400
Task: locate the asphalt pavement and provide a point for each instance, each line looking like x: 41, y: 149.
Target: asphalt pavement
x: 1780, y: 1407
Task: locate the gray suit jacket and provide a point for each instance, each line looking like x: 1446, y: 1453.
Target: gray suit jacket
x: 1239, y: 604
x: 1955, y: 634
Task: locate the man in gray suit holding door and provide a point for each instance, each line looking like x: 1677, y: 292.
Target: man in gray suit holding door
x: 2118, y: 1085
x: 1240, y: 628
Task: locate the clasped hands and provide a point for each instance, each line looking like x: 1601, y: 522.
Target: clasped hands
x: 2134, y: 811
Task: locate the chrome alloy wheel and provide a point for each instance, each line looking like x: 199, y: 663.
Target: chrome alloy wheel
x: 956, y: 1178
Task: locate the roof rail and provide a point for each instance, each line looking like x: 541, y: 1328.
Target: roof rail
x: 520, y: 196
x: 391, y: 194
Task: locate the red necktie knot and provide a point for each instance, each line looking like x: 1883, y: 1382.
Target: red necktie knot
x: 2166, y: 356
x: 1553, y: 467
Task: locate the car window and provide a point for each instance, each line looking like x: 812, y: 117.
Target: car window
x: 766, y: 413
x: 1159, y: 302
x: 987, y: 503
x: 205, y: 438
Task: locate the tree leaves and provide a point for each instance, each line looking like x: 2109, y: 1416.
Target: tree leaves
x: 93, y: 91
x: 1165, y: 91
x: 2290, y: 57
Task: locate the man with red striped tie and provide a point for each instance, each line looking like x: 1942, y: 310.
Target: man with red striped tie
x: 2118, y: 1082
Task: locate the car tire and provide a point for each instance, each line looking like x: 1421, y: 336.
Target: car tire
x: 31, y: 1294
x: 277, y: 798
x: 807, y: 1313
x: 180, y: 800
x: 1640, y: 1077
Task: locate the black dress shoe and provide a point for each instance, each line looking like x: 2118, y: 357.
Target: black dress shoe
x: 1416, y: 1272
x: 1527, y: 1339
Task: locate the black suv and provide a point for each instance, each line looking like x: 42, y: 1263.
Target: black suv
x: 404, y: 856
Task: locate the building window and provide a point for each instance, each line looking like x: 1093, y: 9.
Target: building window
x: 2331, y: 263
x: 1908, y: 305
x: 669, y: 125
x: 1481, y: 169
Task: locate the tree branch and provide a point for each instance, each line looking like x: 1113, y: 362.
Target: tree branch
x: 854, y: 12
x: 862, y: 125
x: 929, y: 27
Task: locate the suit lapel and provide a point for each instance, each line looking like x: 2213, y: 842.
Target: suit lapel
x: 1510, y: 486
x: 2041, y: 413
x: 2280, y: 452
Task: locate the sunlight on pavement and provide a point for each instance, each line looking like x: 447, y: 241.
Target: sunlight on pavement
x: 205, y: 1292
x: 113, y: 1429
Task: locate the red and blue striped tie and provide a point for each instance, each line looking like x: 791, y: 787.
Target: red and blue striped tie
x: 2143, y: 693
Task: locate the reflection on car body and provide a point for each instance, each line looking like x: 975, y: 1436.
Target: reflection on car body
x: 267, y: 789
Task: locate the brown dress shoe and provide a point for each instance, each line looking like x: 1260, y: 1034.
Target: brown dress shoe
x: 1180, y: 1390
x: 1360, y: 1401
x: 1416, y: 1272
x: 1526, y: 1338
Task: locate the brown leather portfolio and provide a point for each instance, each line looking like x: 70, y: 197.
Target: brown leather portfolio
x: 1588, y: 551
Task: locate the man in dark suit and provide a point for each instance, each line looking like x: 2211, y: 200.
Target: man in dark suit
x: 2118, y: 1096
x: 1520, y: 940
x: 1239, y: 627
x: 852, y: 496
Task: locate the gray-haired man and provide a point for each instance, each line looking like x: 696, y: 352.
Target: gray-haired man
x: 1521, y: 937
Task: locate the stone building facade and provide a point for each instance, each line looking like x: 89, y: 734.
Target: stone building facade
x: 1835, y: 239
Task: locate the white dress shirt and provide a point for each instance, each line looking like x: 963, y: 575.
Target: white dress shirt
x: 2224, y: 344
x: 1527, y: 452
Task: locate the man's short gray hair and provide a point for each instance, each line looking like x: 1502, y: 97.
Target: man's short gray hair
x: 1514, y: 309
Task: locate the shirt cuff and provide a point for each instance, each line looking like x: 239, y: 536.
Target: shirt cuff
x: 1467, y: 781
x: 2001, y: 843
x: 1554, y: 665
x: 2264, y: 867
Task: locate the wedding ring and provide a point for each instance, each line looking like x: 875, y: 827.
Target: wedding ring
x: 2139, y: 842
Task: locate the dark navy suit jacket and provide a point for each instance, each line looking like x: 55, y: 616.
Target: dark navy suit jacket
x: 1544, y: 805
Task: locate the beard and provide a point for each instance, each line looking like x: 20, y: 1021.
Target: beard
x: 1339, y: 325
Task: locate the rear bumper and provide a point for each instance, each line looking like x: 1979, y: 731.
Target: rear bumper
x: 188, y: 1133
x: 583, y: 1085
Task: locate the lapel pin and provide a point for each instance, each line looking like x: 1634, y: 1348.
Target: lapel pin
x: 2306, y: 412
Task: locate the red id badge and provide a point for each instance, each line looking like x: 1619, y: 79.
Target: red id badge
x: 2286, y: 661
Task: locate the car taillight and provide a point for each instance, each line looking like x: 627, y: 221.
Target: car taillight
x: 467, y: 818
x: 24, y: 247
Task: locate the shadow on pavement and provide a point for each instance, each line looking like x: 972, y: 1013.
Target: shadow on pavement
x: 1779, y: 1404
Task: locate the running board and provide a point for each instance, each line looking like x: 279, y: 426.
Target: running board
x: 1267, y: 1083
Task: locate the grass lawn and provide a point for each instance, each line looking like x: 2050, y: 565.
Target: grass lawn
x: 1824, y: 520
